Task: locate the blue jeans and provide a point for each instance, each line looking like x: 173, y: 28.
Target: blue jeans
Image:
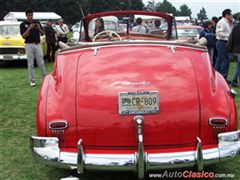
x: 223, y: 60
x: 211, y: 53
x: 237, y: 71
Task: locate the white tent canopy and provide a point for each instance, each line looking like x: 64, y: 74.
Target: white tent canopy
x: 18, y: 16
x: 182, y: 18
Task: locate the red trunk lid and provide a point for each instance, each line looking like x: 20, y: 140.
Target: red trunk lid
x: 101, y: 77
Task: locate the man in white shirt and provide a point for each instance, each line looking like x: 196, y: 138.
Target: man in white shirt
x: 62, y: 30
x: 223, y: 30
x: 139, y: 28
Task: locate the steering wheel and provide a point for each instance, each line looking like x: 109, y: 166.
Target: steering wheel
x: 109, y: 33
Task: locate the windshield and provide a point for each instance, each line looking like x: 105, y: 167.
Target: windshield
x: 129, y: 27
x: 188, y: 32
x: 9, y: 29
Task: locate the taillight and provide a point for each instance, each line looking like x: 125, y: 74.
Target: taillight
x: 57, y: 128
x: 218, y: 122
x: 58, y: 125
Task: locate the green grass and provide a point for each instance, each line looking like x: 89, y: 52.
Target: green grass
x: 17, y: 122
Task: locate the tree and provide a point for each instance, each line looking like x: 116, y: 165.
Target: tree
x: 184, y: 11
x: 166, y: 6
x: 151, y: 6
x: 124, y: 4
x: 136, y: 4
x: 202, y: 14
x: 70, y: 10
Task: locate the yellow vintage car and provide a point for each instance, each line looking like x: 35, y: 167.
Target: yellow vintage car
x: 12, y: 46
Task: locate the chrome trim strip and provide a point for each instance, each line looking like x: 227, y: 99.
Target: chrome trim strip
x: 88, y: 46
x: 46, y: 149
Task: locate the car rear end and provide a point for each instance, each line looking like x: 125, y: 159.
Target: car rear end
x: 137, y: 108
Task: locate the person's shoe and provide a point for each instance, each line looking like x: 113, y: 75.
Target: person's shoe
x: 32, y: 84
x: 228, y: 82
x: 234, y: 84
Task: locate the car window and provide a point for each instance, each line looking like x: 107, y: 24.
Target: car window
x: 148, y: 26
x: 9, y: 29
x: 188, y: 32
x: 110, y: 23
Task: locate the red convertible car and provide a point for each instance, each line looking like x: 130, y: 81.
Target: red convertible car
x: 127, y: 100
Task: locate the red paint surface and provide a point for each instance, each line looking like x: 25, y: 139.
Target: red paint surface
x: 84, y: 91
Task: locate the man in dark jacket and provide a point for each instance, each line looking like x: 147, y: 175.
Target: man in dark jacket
x: 51, y: 40
x: 234, y: 47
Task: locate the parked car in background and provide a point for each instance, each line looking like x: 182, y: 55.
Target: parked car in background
x: 76, y: 26
x: 12, y: 46
x: 188, y: 32
x: 11, y: 42
x: 135, y: 102
x: 76, y: 33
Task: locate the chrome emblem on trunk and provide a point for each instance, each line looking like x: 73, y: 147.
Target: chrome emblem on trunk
x: 128, y: 83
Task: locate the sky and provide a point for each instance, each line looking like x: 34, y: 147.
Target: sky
x: 213, y: 7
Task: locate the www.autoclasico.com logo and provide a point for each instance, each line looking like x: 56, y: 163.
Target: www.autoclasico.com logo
x: 190, y: 174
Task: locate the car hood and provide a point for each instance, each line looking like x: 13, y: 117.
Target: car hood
x: 11, y: 40
x: 104, y: 72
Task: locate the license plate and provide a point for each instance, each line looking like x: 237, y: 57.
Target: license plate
x: 7, y: 57
x: 138, y: 102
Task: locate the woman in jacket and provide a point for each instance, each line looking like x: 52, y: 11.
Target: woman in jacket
x: 210, y: 36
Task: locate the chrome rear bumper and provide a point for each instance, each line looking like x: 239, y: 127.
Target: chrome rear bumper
x: 47, y: 149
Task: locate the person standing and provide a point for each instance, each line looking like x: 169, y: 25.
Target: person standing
x: 51, y: 40
x: 210, y: 36
x: 214, y: 21
x: 31, y: 31
x: 223, y: 30
x: 62, y: 31
x: 233, y: 46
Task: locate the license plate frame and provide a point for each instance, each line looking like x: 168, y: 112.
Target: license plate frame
x: 133, y: 103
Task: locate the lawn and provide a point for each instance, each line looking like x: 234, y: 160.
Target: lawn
x: 17, y: 122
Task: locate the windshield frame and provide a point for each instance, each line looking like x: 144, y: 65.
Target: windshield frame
x: 168, y: 17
